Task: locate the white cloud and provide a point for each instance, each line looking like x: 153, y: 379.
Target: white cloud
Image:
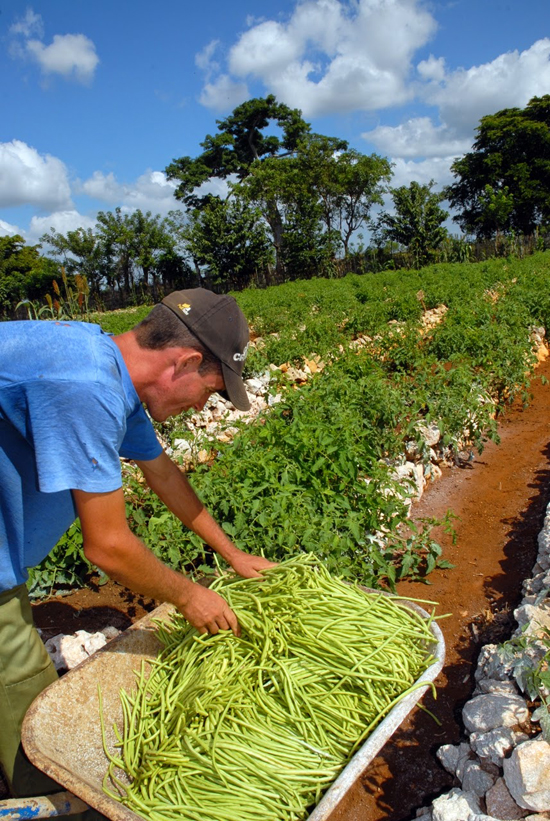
x: 223, y: 94
x: 435, y: 168
x: 330, y: 56
x: 205, y: 58
x: 60, y: 221
x: 29, y: 25
x: 30, y: 178
x: 512, y: 79
x: 72, y: 55
x: 152, y: 191
x: 103, y: 187
x: 432, y: 69
x: 418, y: 137
x: 463, y: 97
x: 8, y: 230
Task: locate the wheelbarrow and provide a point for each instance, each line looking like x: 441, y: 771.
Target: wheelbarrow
x: 61, y: 732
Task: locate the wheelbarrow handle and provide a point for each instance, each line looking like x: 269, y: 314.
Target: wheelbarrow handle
x: 45, y: 806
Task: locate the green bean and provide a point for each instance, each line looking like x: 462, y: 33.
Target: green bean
x: 255, y: 728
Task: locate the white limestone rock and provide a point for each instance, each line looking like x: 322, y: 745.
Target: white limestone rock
x: 183, y: 447
x: 68, y: 651
x: 527, y: 774
x: 255, y: 386
x: 430, y: 433
x: 487, y: 712
x: 533, y: 617
x: 454, y: 758
x: 456, y: 805
x: 492, y: 664
x: 492, y: 685
x: 493, y: 745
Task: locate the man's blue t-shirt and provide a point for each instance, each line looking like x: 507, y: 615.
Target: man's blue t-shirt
x: 68, y: 412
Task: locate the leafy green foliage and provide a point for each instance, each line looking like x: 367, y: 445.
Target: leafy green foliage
x: 228, y: 242
x: 152, y: 522
x: 417, y: 223
x: 24, y: 273
x: 316, y: 473
x: 63, y: 568
x: 313, y: 476
x: 504, y: 183
x: 529, y: 655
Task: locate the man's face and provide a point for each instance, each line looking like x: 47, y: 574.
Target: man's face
x: 182, y: 389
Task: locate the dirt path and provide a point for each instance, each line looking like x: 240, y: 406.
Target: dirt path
x: 500, y: 501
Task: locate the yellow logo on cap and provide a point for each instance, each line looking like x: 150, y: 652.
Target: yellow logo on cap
x: 184, y: 307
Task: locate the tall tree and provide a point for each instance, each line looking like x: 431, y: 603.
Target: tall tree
x: 511, y: 155
x: 418, y: 221
x: 241, y: 140
x: 290, y: 206
x: 228, y: 244
x: 24, y: 272
x: 152, y: 246
x: 300, y: 181
x: 116, y: 232
x: 346, y: 182
x: 245, y: 137
x: 81, y: 251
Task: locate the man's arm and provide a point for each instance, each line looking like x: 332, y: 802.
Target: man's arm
x: 110, y: 544
x: 170, y: 484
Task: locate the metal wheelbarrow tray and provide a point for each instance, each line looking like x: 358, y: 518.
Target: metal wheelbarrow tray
x: 62, y: 733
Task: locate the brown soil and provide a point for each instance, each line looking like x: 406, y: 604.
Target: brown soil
x: 500, y: 500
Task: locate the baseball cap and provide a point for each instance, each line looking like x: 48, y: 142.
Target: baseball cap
x: 218, y: 322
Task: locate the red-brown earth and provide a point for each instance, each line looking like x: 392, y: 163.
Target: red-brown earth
x: 500, y: 499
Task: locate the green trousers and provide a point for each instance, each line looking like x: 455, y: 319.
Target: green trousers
x: 25, y: 670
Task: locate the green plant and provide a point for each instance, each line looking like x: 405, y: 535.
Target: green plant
x: 70, y: 304
x: 529, y: 656
x: 63, y: 568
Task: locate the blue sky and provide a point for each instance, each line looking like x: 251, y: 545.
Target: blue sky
x: 97, y: 98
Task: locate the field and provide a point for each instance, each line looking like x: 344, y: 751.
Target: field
x: 318, y: 471
x: 470, y: 375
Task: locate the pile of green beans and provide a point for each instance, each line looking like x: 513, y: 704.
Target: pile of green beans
x: 256, y: 728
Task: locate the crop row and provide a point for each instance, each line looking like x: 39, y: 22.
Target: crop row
x: 317, y: 472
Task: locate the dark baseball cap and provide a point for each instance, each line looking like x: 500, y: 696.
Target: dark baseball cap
x: 218, y: 322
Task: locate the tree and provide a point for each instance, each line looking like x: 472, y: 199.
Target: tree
x: 82, y: 252
x: 241, y: 141
x: 24, y: 272
x: 288, y: 203
x: 346, y: 182
x: 303, y: 183
x: 511, y: 155
x: 153, y: 246
x: 228, y: 243
x: 229, y: 155
x: 418, y: 221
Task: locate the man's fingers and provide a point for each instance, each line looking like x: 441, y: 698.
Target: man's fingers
x: 226, y: 621
x: 232, y: 622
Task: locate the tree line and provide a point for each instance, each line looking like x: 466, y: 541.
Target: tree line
x: 293, y: 205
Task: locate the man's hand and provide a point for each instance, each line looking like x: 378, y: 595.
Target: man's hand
x: 110, y: 544
x: 171, y: 485
x: 248, y: 566
x: 208, y: 611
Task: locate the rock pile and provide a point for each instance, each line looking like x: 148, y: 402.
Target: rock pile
x: 66, y: 651
x: 502, y: 768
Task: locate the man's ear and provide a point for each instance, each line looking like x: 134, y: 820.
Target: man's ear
x: 187, y: 361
